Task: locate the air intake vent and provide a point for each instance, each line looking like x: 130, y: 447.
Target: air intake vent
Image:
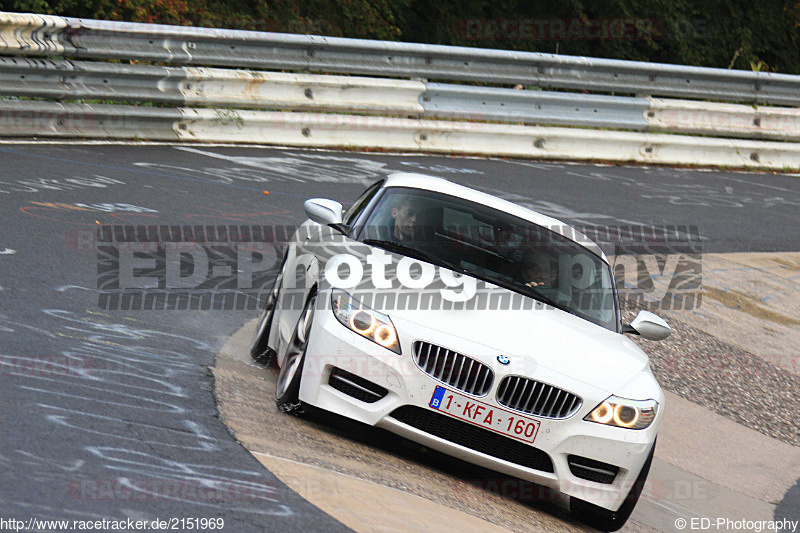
x: 592, y: 470
x: 534, y: 397
x: 457, y: 370
x: 474, y: 438
x: 355, y: 386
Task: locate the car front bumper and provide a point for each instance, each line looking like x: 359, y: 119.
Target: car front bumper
x: 333, y: 346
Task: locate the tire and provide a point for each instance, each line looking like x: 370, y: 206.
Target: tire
x: 606, y: 520
x: 287, y: 389
x: 259, y: 347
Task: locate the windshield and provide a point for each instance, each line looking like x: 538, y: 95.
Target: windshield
x: 493, y: 246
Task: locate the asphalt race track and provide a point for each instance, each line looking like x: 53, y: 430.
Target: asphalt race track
x: 111, y: 414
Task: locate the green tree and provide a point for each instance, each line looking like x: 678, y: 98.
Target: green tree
x: 716, y: 33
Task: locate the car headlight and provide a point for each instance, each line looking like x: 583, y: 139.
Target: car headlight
x: 629, y: 414
x: 367, y: 322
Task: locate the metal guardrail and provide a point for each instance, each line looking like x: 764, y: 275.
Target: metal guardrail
x: 69, y: 37
x: 325, y: 130
x: 227, y: 104
x: 187, y: 86
x: 534, y: 107
x: 229, y: 88
x: 53, y: 119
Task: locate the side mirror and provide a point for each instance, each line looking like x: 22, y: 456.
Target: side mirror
x: 322, y: 211
x: 650, y: 326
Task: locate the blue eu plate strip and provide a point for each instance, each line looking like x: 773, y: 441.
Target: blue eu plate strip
x: 438, y: 394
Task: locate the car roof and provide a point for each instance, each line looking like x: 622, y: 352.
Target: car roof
x: 436, y: 184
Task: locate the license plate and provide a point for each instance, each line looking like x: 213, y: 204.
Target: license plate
x: 484, y: 415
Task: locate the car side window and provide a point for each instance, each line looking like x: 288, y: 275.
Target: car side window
x: 361, y: 203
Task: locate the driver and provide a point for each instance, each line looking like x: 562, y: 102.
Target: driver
x: 404, y: 216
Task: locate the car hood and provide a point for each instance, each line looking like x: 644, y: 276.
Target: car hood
x: 549, y: 337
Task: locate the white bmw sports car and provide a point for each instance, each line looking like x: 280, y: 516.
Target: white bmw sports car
x: 472, y: 326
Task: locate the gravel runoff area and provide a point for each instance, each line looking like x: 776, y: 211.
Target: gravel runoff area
x: 731, y: 382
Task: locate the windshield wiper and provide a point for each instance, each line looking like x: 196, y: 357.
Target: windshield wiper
x: 549, y: 301
x: 536, y: 295
x: 404, y: 249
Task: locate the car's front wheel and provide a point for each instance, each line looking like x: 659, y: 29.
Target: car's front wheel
x: 287, y: 389
x: 259, y: 346
x: 606, y: 520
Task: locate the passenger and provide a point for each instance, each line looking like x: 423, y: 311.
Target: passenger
x: 537, y: 271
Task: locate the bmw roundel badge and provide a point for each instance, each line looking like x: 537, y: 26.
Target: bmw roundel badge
x: 503, y: 360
